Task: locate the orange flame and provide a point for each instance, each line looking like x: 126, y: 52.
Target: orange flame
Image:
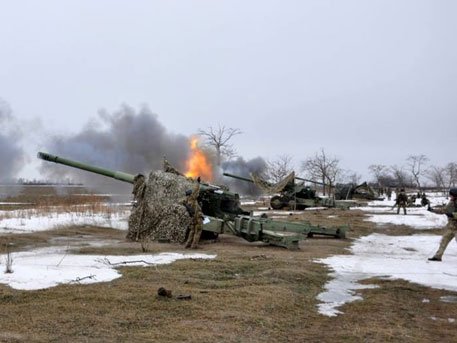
x: 198, y: 164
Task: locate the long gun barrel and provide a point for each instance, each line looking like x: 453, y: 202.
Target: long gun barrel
x: 79, y: 165
x: 238, y: 177
x: 316, y: 182
x: 249, y: 180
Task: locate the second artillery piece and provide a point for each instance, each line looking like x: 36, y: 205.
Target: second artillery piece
x: 158, y: 208
x: 292, y: 195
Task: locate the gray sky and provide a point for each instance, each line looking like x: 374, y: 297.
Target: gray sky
x: 369, y: 81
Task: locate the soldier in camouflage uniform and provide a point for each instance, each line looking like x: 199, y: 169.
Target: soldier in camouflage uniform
x: 401, y: 201
x: 195, y: 211
x: 424, y: 200
x: 451, y: 228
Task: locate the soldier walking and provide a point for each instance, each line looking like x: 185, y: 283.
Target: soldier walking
x: 401, y: 201
x: 195, y: 212
x: 450, y: 210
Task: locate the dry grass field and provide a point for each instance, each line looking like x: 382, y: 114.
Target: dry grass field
x: 250, y: 292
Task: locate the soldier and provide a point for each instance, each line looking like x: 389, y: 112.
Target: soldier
x: 424, y: 200
x: 195, y: 212
x: 401, y: 201
x: 450, y: 210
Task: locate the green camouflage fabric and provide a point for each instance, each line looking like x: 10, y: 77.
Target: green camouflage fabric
x: 158, y: 212
x: 273, y: 188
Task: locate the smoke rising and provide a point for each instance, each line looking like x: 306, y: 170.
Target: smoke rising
x: 12, y: 155
x: 243, y: 168
x: 126, y: 140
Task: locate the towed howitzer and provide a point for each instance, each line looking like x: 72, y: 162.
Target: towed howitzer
x: 215, y: 201
x: 352, y: 191
x: 294, y: 195
x: 224, y: 212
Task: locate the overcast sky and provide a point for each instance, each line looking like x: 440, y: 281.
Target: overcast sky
x: 371, y: 82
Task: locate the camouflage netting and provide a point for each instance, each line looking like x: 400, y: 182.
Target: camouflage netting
x: 272, y: 188
x: 159, y: 213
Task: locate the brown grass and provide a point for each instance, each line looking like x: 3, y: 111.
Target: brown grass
x: 250, y: 293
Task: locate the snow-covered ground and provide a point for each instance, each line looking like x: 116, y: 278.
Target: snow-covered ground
x: 32, y: 220
x: 377, y: 255
x: 392, y: 257
x: 49, y: 267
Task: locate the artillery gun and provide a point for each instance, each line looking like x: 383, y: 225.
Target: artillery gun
x: 295, y: 195
x: 219, y: 205
x: 215, y: 201
x: 353, y: 191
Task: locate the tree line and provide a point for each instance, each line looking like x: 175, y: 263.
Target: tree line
x: 325, y: 168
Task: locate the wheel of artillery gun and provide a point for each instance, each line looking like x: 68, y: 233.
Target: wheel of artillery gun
x: 276, y: 202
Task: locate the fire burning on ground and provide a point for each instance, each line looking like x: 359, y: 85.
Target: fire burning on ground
x: 198, y: 163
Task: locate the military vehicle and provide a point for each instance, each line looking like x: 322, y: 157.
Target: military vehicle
x: 353, y: 191
x: 292, y: 195
x: 224, y: 212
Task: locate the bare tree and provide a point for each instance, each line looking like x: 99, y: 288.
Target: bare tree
x: 323, y: 168
x: 451, y: 173
x: 416, y: 164
x: 399, y: 175
x: 219, y: 139
x: 379, y: 171
x: 353, y: 177
x: 438, y: 176
x: 279, y: 168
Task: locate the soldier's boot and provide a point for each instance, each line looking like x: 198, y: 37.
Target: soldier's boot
x: 447, y: 237
x: 435, y: 258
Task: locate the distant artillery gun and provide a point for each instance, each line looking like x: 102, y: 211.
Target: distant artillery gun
x: 352, y: 191
x: 220, y: 206
x: 290, y: 194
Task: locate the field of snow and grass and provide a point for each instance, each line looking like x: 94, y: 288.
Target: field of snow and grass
x: 51, y: 266
x: 391, y: 257
x: 376, y: 255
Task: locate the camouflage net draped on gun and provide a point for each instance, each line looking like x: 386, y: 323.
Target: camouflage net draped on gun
x: 158, y: 212
x: 272, y: 188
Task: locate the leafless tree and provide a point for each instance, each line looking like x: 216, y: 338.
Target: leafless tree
x: 438, y: 176
x: 279, y: 168
x: 416, y: 167
x: 451, y: 172
x: 219, y: 138
x: 323, y: 168
x: 353, y: 177
x: 399, y: 175
x: 379, y: 171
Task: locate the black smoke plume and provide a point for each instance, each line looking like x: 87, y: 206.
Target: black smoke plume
x: 243, y: 168
x: 12, y: 155
x: 126, y: 140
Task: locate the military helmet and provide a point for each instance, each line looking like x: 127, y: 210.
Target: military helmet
x: 188, y: 192
x: 453, y: 192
